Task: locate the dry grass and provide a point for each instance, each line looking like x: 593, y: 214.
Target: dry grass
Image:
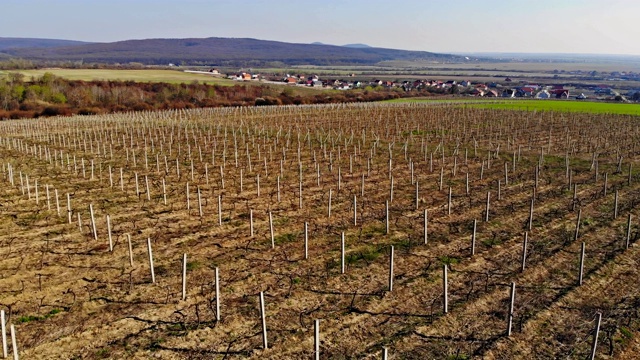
x: 70, y: 297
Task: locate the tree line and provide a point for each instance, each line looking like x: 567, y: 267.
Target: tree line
x: 49, y: 95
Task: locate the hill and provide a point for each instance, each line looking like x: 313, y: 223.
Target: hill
x: 223, y: 51
x: 21, y: 43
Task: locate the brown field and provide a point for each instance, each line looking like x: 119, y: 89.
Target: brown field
x: 70, y: 296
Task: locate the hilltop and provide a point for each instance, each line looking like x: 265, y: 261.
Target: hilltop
x: 222, y: 51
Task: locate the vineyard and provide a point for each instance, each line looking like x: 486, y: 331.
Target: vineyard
x: 360, y: 231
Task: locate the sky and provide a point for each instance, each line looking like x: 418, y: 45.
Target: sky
x: 536, y: 26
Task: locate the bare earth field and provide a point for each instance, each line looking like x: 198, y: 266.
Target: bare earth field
x: 206, y: 182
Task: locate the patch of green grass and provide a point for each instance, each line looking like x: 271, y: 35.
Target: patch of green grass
x: 103, y: 353
x: 372, y: 231
x: 368, y: 255
x: 447, y: 260
x: 285, y: 238
x: 193, y: 265
x: 562, y: 106
x: 30, y: 318
x: 491, y: 242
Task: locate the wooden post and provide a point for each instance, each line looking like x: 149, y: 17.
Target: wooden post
x: 467, y: 184
x: 628, y: 238
x: 55, y: 191
x: 511, y: 303
x: 306, y: 240
x: 524, y: 251
x: 615, y: 206
x: 93, y: 223
x: 264, y: 322
x: 14, y: 343
x: 217, y: 273
x: 130, y: 250
x: 426, y: 224
x: 69, y: 207
x: 109, y: 233
x: 146, y: 183
x: 4, y: 334
x: 391, y: 269
x: 575, y: 235
x: 449, y: 203
x: 342, y: 246
x: 329, y: 211
x: 46, y: 187
x: 385, y: 353
x: 316, y: 339
x: 164, y: 191
x: 445, y: 289
x: 391, y: 190
x: 386, y: 216
x: 486, y: 214
x: 594, y: 344
x: 473, y: 237
x: 531, y: 214
x: 184, y: 277
x: 506, y: 174
x: 273, y: 241
x: 153, y: 275
x: 187, y: 197
x: 251, y: 221
x: 199, y: 202
x: 581, y: 270
x: 355, y: 211
x: 220, y: 209
x: 417, y: 196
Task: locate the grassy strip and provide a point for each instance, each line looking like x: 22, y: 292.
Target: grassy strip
x: 539, y: 105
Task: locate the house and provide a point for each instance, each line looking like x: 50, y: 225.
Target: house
x: 214, y: 71
x: 291, y: 80
x: 491, y: 93
x: 543, y: 94
x: 525, y: 91
x: 509, y: 93
x: 465, y: 83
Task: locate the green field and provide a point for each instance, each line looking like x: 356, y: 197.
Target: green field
x: 542, y: 105
x: 168, y: 76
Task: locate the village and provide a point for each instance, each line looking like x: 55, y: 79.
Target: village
x: 506, y: 88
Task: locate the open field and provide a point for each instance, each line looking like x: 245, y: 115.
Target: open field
x: 169, y: 76
x: 589, y: 107
x: 232, y: 189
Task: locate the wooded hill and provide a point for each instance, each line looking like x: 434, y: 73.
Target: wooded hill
x: 220, y: 52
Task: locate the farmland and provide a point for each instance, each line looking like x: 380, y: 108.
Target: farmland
x: 307, y: 207
x: 588, y: 107
x: 147, y: 75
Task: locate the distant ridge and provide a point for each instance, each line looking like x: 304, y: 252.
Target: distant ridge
x: 21, y: 43
x: 223, y: 52
x: 357, y: 46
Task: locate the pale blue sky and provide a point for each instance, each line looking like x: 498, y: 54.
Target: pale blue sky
x: 554, y: 26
